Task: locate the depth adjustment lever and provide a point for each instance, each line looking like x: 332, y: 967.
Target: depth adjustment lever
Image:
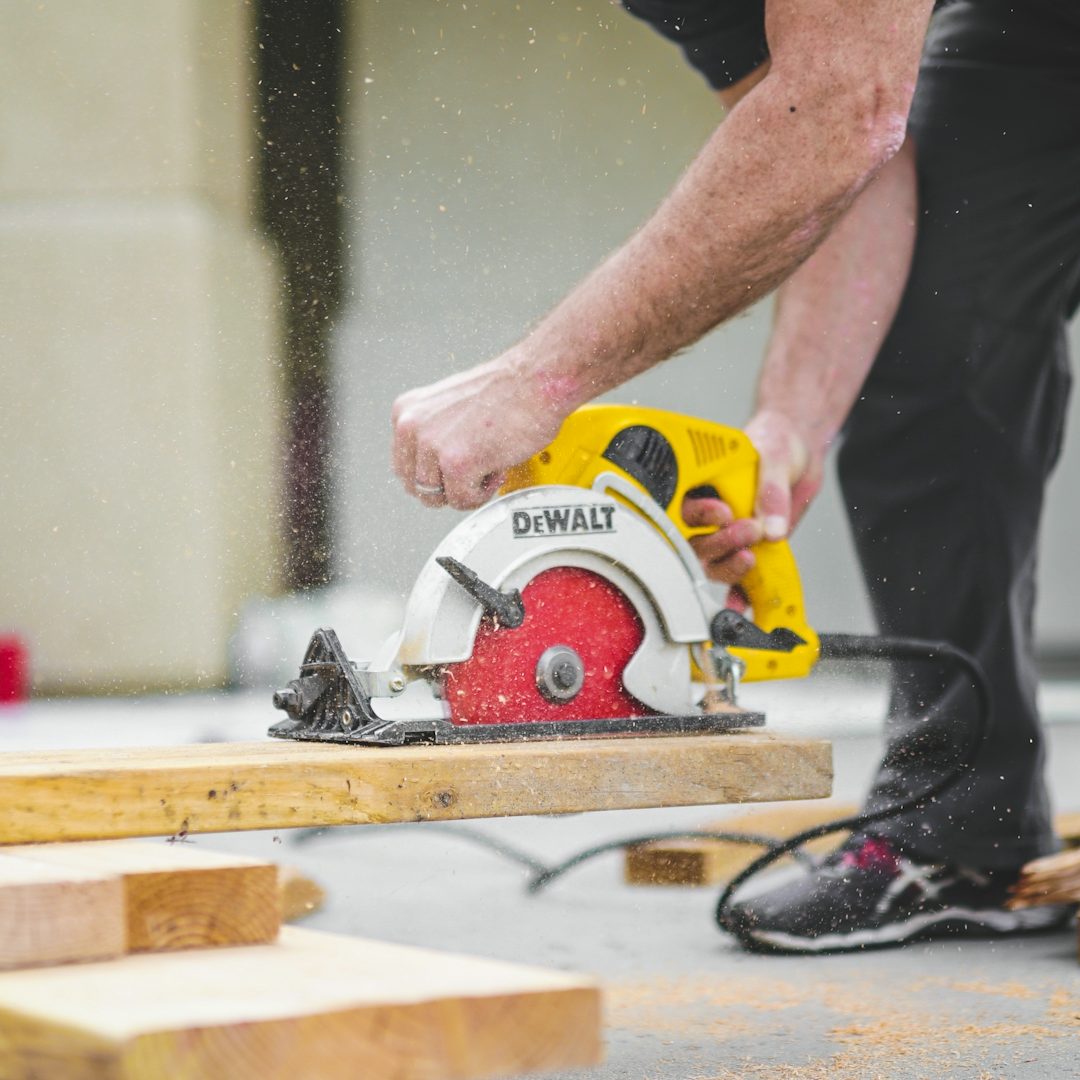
x: 506, y: 607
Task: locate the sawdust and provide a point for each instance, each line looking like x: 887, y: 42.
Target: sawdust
x: 1065, y: 1006
x: 833, y: 1069
x: 875, y: 1029
x: 1016, y: 990
x: 830, y: 1070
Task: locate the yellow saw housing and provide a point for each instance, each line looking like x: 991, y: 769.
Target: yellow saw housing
x: 667, y: 455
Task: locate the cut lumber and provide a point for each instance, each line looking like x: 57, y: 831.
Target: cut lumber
x: 300, y: 895
x: 215, y: 787
x: 176, y: 896
x: 1067, y: 826
x: 312, y: 1005
x: 1054, y: 879
x: 710, y: 862
x: 52, y: 915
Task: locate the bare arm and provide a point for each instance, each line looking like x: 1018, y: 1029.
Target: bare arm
x: 761, y: 195
x: 834, y: 313
x: 831, y: 318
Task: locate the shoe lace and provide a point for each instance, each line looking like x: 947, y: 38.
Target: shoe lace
x: 928, y: 878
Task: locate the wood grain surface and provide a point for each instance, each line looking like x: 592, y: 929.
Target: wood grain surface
x: 301, y: 895
x: 213, y: 787
x: 53, y: 915
x: 710, y: 862
x: 176, y: 896
x: 312, y: 1005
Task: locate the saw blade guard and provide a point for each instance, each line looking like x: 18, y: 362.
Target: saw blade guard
x: 666, y: 455
x: 516, y: 538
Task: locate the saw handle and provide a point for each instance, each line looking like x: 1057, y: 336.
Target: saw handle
x: 669, y: 455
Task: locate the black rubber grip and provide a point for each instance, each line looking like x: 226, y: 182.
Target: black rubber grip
x: 646, y: 455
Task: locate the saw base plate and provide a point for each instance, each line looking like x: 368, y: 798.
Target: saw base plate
x: 442, y: 732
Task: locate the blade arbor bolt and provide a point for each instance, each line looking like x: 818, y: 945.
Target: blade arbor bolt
x: 560, y: 674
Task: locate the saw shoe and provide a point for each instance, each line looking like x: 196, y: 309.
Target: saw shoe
x: 869, y: 895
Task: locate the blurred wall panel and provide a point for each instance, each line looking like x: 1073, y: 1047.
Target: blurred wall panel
x: 140, y: 441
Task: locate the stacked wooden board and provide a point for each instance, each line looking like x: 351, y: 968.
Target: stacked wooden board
x: 310, y: 1005
x: 148, y: 1001
x: 69, y: 902
x: 184, y: 973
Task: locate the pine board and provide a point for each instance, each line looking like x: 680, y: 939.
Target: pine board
x: 711, y: 862
x: 312, y: 1005
x: 175, y: 896
x: 301, y: 895
x: 52, y: 915
x: 214, y: 787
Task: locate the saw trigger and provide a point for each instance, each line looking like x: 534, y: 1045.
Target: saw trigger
x: 733, y: 630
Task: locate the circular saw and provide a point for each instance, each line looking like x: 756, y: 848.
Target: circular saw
x: 573, y: 605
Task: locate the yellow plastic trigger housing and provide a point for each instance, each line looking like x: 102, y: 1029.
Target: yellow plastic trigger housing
x: 667, y: 454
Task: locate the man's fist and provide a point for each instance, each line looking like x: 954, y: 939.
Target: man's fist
x: 724, y: 553
x: 455, y: 439
x: 788, y: 479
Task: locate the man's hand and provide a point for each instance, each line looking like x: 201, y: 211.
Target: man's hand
x: 789, y: 477
x: 455, y: 439
x: 789, y: 474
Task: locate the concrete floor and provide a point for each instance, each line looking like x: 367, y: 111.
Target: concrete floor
x: 682, y: 1002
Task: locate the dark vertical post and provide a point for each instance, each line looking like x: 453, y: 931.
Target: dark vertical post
x: 300, y: 46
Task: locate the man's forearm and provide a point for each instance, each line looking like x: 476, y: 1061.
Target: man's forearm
x: 759, y: 198
x: 834, y: 312
x: 732, y: 229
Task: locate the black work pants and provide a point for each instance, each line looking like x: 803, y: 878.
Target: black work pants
x: 946, y: 455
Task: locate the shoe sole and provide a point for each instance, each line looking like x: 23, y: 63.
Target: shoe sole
x: 959, y: 921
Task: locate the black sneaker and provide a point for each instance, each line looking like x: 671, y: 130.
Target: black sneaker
x: 869, y: 895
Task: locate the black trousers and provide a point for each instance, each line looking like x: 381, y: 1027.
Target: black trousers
x: 946, y: 455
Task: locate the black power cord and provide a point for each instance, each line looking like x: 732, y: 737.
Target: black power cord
x: 548, y: 874
x: 877, y: 647
x: 862, y: 647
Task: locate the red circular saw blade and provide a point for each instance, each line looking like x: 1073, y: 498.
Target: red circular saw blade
x: 563, y: 606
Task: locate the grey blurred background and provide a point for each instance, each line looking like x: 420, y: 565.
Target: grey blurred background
x: 231, y: 233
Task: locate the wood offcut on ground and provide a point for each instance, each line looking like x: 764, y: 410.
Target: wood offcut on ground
x: 1054, y: 879
x: 708, y: 861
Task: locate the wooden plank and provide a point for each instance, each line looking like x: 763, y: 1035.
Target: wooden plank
x: 176, y: 896
x: 1053, y: 879
x: 50, y: 915
x: 1067, y: 826
x: 214, y: 787
x: 312, y: 1005
x: 710, y: 862
x: 301, y: 896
